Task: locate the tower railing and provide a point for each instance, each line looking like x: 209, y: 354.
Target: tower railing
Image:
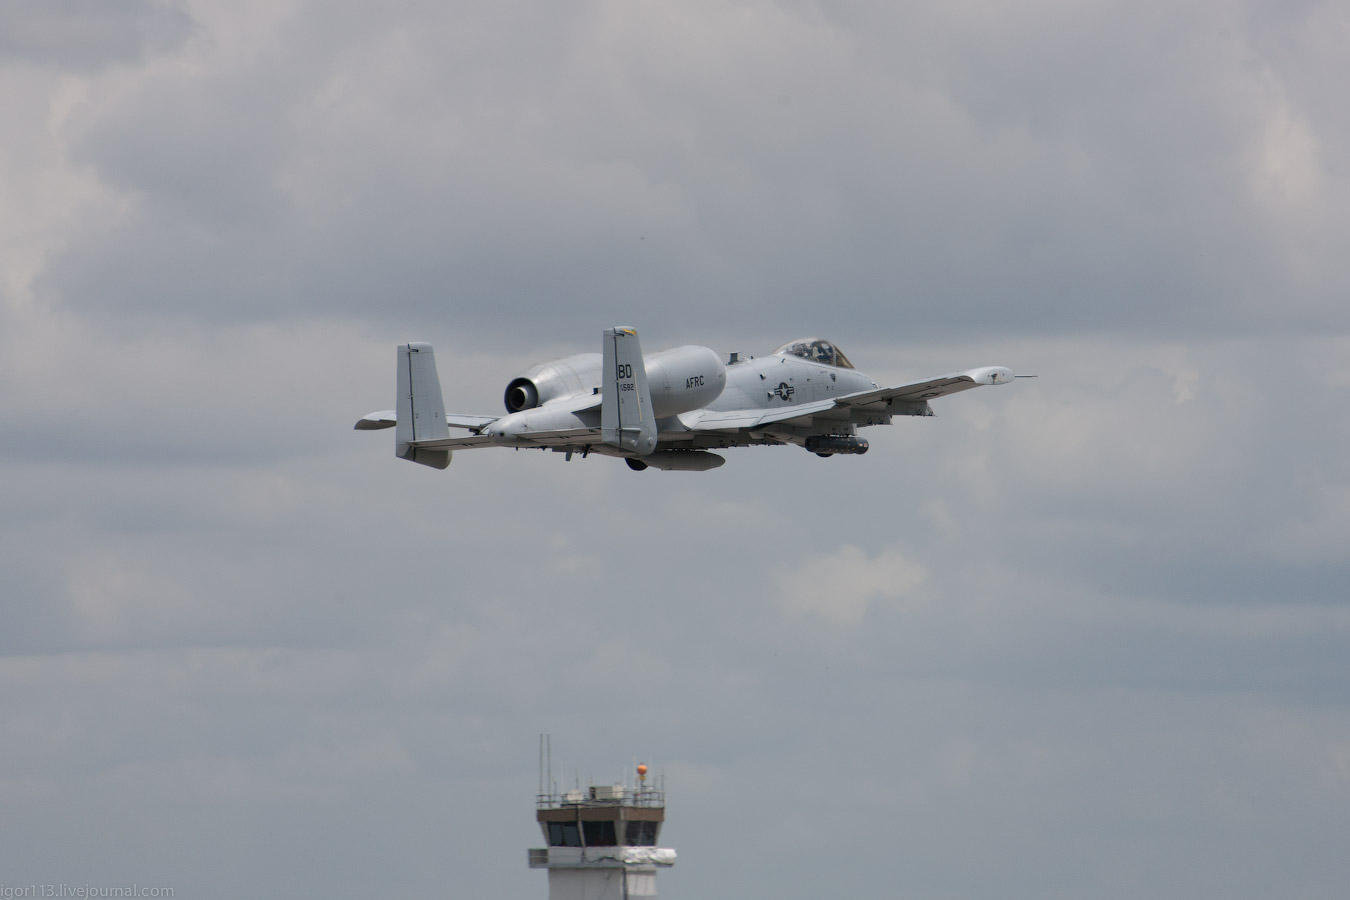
x: 636, y: 797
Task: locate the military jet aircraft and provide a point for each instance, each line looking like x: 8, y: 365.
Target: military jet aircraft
x: 667, y: 410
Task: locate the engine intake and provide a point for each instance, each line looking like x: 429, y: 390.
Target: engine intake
x: 521, y: 394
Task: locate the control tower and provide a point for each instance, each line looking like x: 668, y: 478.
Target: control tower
x: 602, y: 841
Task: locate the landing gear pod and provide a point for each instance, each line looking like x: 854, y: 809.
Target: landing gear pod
x: 677, y: 461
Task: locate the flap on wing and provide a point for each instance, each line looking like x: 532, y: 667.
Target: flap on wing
x: 732, y: 420
x: 459, y: 443
x: 927, y: 390
x: 567, y: 437
x: 564, y: 437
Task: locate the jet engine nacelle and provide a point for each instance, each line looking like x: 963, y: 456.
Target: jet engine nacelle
x: 684, y: 379
x: 679, y: 380
x: 548, y: 381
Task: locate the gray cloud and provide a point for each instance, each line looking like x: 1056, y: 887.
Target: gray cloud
x: 87, y: 34
x: 1178, y: 181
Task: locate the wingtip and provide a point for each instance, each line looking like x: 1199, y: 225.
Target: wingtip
x: 990, y: 375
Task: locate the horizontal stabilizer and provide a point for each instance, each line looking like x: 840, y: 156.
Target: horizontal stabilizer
x: 387, y: 418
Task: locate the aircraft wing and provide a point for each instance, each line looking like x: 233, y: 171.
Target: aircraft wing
x: 563, y: 437
x: 752, y: 419
x: 863, y: 408
x: 922, y: 391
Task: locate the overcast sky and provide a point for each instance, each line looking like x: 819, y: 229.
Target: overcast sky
x: 1082, y: 636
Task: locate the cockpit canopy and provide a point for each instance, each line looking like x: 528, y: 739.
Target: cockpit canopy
x: 816, y: 350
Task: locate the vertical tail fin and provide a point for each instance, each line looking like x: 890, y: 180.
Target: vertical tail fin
x: 626, y: 419
x: 421, y: 411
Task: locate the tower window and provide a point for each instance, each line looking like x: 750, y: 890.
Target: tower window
x: 641, y: 834
x: 599, y: 834
x: 564, y: 834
